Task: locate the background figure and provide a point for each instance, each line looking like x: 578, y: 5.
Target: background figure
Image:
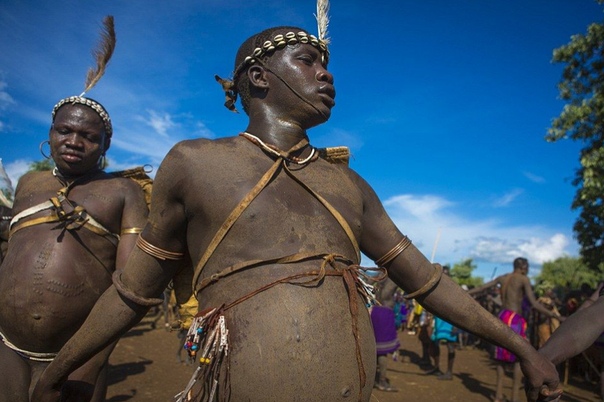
x: 385, y: 330
x: 514, y: 289
x: 446, y: 334
x: 400, y: 310
x: 546, y: 325
x: 72, y: 228
x: 424, y: 333
x: 5, y: 216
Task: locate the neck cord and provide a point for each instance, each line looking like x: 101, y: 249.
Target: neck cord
x: 63, y: 179
x: 277, y: 152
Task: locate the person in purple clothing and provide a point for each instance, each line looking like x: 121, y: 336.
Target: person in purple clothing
x: 385, y: 330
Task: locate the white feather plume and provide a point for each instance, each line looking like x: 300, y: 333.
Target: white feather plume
x: 322, y: 19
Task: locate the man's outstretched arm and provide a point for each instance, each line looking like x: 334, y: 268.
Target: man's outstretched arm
x: 412, y: 271
x: 576, y: 333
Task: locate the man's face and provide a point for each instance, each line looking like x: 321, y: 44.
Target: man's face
x: 301, y: 67
x: 77, y: 139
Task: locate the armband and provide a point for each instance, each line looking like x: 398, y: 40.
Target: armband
x: 157, y: 252
x: 394, y: 252
x: 131, y: 231
x: 130, y: 295
x: 438, y: 273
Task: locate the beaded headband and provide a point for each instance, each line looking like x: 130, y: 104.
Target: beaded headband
x: 94, y: 105
x: 279, y: 42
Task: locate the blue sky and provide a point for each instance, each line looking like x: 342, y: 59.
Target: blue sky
x: 443, y: 104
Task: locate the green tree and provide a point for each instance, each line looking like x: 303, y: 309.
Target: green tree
x: 582, y: 119
x: 42, y: 165
x: 567, y: 273
x: 461, y: 273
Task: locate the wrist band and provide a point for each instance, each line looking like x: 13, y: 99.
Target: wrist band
x: 157, y: 252
x: 438, y: 273
x: 394, y: 252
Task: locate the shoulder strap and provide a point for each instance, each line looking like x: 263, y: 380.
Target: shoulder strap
x: 233, y: 216
x: 245, y: 202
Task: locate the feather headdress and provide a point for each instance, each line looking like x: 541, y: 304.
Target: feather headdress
x: 322, y: 20
x: 102, y: 54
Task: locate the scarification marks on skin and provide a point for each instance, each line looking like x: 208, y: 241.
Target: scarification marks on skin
x: 39, y: 265
x: 64, y: 289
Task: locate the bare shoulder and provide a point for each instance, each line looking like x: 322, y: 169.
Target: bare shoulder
x: 196, y: 151
x: 188, y: 158
x: 32, y: 187
x: 192, y: 148
x: 33, y: 178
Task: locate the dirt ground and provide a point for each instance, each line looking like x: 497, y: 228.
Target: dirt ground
x: 145, y: 367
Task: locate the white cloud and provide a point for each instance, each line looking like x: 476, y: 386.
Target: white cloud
x: 507, y: 198
x: 144, y: 146
x: 537, y: 249
x: 5, y: 98
x: 5, y: 101
x: 534, y: 178
x: 16, y: 169
x: 431, y: 221
x: 162, y: 124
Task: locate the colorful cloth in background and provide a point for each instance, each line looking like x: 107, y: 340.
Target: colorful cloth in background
x: 518, y: 324
x: 384, y: 328
x: 400, y: 314
x: 443, y: 331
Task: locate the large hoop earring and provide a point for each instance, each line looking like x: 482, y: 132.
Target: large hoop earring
x: 42, y: 150
x: 102, y: 162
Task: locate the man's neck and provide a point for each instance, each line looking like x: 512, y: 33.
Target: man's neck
x: 279, y: 134
x: 67, y: 178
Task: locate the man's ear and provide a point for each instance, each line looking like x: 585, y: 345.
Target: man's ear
x: 257, y: 76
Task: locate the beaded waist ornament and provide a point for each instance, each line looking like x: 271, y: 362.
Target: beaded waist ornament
x: 207, y: 343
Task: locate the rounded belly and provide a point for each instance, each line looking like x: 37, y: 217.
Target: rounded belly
x: 293, y: 343
x: 47, y: 288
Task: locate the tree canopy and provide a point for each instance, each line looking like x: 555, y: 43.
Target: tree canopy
x: 41, y: 165
x: 566, y: 274
x: 582, y: 119
x: 461, y: 273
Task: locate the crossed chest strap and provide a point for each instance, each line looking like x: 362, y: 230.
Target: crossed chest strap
x: 68, y: 217
x: 353, y: 275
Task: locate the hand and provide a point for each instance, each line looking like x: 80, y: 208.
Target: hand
x: 46, y: 392
x: 542, y: 380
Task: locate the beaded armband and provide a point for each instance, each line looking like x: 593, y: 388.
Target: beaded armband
x: 438, y: 273
x: 157, y: 252
x: 394, y: 252
x: 131, y: 231
x: 130, y: 295
x: 97, y: 107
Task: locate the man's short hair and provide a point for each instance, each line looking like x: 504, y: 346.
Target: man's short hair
x: 520, y: 262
